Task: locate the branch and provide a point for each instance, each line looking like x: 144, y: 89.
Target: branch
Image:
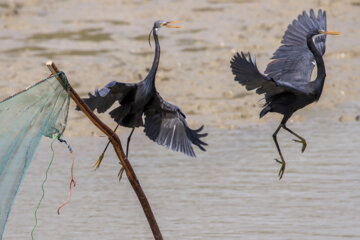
x: 114, y: 139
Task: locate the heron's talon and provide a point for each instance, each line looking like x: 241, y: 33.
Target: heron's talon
x: 304, y: 144
x: 282, y: 169
x: 121, y: 173
x: 98, y: 162
x: 277, y: 160
x: 281, y: 173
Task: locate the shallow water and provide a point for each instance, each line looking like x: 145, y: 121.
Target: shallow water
x: 102, y: 41
x: 229, y: 192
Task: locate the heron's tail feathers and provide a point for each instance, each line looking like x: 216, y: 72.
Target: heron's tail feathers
x: 195, y: 135
x: 125, y: 118
x: 265, y: 111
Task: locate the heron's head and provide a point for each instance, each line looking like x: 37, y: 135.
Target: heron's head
x: 160, y: 23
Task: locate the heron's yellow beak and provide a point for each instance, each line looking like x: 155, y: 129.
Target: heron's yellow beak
x: 331, y: 32
x: 171, y: 26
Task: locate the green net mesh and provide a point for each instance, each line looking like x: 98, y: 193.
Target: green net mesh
x: 40, y: 110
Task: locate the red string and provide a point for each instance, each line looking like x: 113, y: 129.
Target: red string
x: 72, y: 182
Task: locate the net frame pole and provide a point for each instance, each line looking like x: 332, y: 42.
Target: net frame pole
x: 115, y: 141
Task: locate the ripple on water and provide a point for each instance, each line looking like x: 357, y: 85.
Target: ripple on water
x: 207, y: 9
x: 4, y: 5
x: 194, y: 49
x: 25, y: 49
x: 229, y: 1
x: 192, y: 31
x: 229, y: 192
x: 89, y: 34
x: 112, y: 22
x: 189, y: 41
x: 143, y: 53
x: 144, y: 37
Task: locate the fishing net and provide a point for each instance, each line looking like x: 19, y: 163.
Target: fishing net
x: 40, y: 110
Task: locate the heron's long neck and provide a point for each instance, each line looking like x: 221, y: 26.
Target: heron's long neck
x: 150, y: 78
x: 321, y: 73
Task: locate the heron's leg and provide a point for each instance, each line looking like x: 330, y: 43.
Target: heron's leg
x: 98, y: 162
x: 127, y: 153
x: 128, y: 142
x: 282, y: 162
x: 302, y: 140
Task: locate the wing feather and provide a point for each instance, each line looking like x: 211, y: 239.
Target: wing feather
x: 114, y: 91
x: 166, y: 125
x: 248, y: 75
x: 292, y: 61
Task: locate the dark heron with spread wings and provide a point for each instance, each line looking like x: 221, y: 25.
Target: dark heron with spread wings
x: 287, y: 86
x: 164, y: 122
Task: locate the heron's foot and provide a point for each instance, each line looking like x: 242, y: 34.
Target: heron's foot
x: 282, y: 169
x: 120, y: 174
x: 304, y: 144
x: 98, y: 162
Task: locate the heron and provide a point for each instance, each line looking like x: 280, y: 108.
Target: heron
x: 163, y: 122
x: 286, y: 82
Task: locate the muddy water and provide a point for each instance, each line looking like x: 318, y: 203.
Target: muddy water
x: 229, y: 192
x: 95, y: 42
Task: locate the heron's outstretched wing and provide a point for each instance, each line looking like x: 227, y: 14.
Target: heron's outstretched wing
x: 166, y: 125
x: 248, y: 75
x: 293, y: 62
x: 104, y: 98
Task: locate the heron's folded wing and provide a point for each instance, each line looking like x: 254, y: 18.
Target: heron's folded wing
x: 166, y: 125
x: 248, y: 75
x: 293, y: 62
x: 104, y: 98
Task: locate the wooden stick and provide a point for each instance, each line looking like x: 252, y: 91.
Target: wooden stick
x: 114, y: 139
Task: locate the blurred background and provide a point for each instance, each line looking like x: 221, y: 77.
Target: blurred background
x: 229, y: 192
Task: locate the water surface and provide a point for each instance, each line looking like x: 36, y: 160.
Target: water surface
x: 229, y: 192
